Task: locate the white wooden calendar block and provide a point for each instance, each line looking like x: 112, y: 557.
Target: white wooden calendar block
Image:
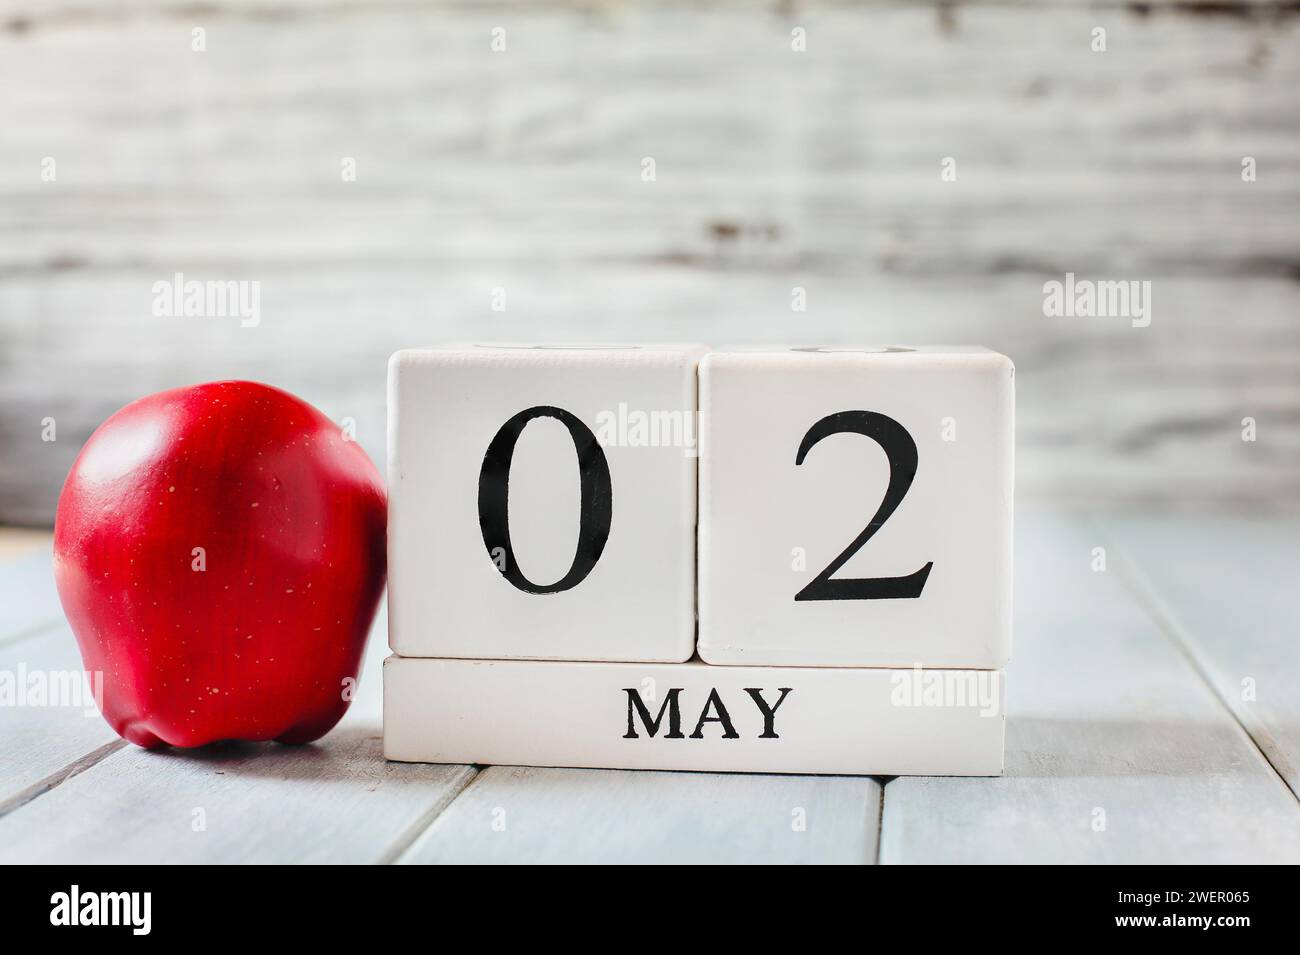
x: 694, y: 716
x: 856, y: 507
x: 542, y: 502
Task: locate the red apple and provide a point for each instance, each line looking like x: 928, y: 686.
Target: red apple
x: 219, y: 552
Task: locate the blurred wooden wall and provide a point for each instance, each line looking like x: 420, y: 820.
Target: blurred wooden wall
x: 775, y: 169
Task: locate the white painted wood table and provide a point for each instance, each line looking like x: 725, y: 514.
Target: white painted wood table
x: 1154, y: 716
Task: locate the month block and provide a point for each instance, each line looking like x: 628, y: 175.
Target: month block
x: 694, y: 716
x: 856, y: 507
x: 542, y: 502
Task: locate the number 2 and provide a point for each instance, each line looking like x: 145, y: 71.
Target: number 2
x: 900, y: 449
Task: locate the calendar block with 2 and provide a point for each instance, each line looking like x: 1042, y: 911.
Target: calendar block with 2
x: 856, y: 507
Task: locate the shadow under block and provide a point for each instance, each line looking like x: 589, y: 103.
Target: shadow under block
x: 855, y: 507
x: 694, y: 716
x: 542, y: 502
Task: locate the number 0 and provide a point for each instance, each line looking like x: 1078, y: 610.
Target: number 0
x: 596, y: 508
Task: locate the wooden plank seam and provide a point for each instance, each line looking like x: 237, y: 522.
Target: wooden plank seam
x: 1149, y: 598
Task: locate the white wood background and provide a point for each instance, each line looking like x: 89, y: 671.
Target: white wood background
x: 775, y: 169
x: 1129, y: 739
